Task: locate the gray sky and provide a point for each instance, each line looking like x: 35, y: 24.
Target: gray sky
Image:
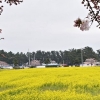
x: 45, y: 25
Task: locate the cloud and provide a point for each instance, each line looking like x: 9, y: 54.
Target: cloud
x: 45, y: 25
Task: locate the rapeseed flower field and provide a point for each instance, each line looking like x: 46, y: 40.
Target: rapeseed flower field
x: 50, y: 84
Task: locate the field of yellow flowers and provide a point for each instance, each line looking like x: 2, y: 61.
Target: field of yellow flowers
x: 50, y: 84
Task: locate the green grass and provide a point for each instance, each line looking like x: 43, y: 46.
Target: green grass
x: 50, y: 84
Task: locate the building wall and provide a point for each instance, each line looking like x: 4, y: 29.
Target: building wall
x: 35, y: 63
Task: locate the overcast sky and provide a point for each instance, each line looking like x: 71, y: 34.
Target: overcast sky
x: 45, y: 25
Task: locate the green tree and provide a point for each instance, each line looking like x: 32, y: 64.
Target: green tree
x: 47, y: 61
x: 98, y: 54
x: 15, y: 62
x: 89, y: 53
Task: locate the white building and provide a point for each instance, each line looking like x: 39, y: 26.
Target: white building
x: 35, y: 63
x: 90, y: 62
x: 5, y: 65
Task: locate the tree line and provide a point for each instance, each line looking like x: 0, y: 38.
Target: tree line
x: 69, y: 57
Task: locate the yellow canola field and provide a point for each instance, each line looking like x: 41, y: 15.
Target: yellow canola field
x: 50, y: 84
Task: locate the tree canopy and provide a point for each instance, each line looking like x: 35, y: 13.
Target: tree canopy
x: 69, y: 57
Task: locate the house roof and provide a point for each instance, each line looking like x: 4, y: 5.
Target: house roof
x: 3, y: 63
x: 90, y: 60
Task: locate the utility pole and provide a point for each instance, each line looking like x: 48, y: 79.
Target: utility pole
x: 34, y: 56
x: 29, y: 57
x: 63, y: 62
x: 81, y: 57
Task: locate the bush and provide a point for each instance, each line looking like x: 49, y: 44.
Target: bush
x: 52, y: 66
x: 32, y: 67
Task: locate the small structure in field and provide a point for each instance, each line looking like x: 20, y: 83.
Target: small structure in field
x: 51, y: 64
